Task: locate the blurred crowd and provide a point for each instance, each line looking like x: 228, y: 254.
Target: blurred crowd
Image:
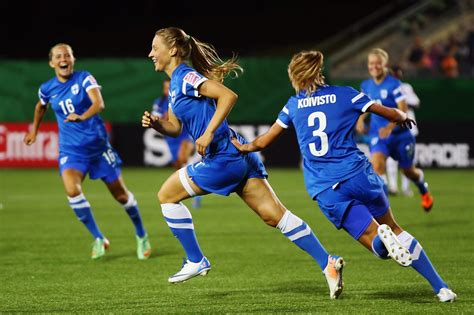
x: 451, y: 56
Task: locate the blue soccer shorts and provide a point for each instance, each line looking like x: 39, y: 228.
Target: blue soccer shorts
x: 105, y: 166
x: 401, y: 147
x: 366, y: 189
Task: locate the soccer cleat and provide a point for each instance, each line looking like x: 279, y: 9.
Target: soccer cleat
x: 143, y: 247
x: 98, y: 247
x: 191, y: 270
x: 333, y: 274
x: 446, y: 295
x: 395, y: 249
x: 427, y: 201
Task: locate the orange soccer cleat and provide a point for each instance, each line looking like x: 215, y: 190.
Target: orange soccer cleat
x: 427, y: 201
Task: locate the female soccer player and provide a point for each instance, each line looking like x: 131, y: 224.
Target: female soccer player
x: 386, y: 138
x: 413, y: 103
x: 83, y: 145
x: 181, y: 147
x: 337, y: 174
x: 199, y: 101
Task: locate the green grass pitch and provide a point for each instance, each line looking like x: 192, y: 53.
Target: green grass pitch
x: 45, y: 263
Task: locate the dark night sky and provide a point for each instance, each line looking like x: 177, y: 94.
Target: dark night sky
x: 116, y: 29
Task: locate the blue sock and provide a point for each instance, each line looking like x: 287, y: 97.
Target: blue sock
x: 83, y: 211
x: 297, y: 231
x: 421, y: 262
x: 131, y: 208
x: 378, y: 248
x: 421, y: 184
x: 180, y: 221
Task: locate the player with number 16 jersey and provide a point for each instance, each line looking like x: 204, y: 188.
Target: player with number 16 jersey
x: 83, y: 145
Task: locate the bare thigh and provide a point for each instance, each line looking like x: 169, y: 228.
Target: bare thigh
x: 172, y: 190
x: 378, y: 162
x: 260, y: 197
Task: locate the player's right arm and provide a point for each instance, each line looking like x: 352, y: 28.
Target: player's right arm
x: 394, y: 115
x: 262, y: 141
x: 40, y: 110
x: 170, y: 127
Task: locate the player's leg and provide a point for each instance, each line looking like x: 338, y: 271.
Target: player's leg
x: 186, y: 150
x: 392, y: 175
x: 420, y: 261
x: 405, y: 186
x: 72, y: 180
x: 405, y: 149
x: 126, y: 198
x: 260, y: 197
x: 178, y: 217
x: 378, y: 160
x: 343, y: 206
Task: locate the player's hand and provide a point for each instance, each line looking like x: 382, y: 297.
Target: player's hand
x: 29, y: 138
x: 148, y: 120
x: 203, y: 142
x: 73, y: 118
x: 385, y: 132
x: 407, y: 123
x: 239, y: 146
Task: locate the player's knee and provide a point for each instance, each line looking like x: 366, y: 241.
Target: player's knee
x: 122, y: 198
x: 72, y: 192
x: 164, y: 197
x: 271, y: 217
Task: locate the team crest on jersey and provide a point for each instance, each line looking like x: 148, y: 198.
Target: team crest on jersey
x: 172, y: 98
x: 383, y: 93
x: 192, y: 78
x: 75, y: 89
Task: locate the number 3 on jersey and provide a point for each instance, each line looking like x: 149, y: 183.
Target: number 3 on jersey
x: 319, y: 133
x: 67, y: 106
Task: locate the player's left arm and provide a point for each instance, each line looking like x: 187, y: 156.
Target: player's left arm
x: 225, y: 100
x: 96, y: 107
x: 262, y: 141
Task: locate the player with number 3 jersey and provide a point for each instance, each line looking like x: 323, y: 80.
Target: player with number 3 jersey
x: 337, y: 174
x: 84, y: 147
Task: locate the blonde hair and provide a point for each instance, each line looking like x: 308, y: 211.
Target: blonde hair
x: 203, y: 56
x: 381, y: 53
x: 306, y: 71
x: 59, y: 45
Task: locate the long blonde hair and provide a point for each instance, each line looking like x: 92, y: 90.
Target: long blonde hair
x: 203, y: 56
x: 306, y: 71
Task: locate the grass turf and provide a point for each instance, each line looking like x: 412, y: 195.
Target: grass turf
x: 45, y: 263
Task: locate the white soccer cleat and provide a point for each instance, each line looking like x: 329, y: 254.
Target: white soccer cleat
x: 394, y: 247
x: 191, y: 270
x: 333, y: 274
x: 446, y: 295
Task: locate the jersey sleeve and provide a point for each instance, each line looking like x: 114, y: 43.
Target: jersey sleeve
x: 42, y: 97
x: 397, y: 92
x: 89, y: 82
x: 284, y: 118
x: 191, y: 82
x: 359, y: 100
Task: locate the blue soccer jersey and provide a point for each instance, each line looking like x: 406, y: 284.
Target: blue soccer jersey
x: 193, y: 110
x: 387, y: 93
x: 83, y: 139
x: 324, y: 123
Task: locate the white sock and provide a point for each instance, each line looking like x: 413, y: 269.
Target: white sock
x: 392, y: 173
